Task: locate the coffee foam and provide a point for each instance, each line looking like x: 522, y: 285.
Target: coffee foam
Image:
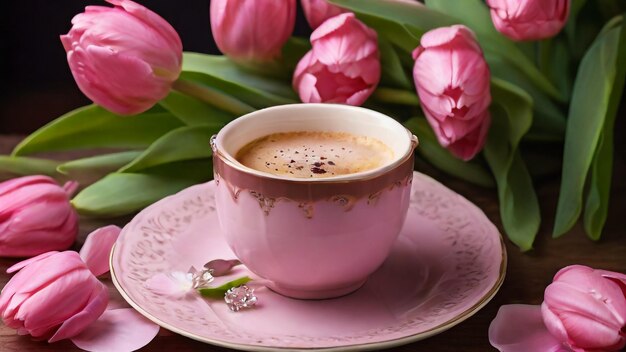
x: 314, y: 154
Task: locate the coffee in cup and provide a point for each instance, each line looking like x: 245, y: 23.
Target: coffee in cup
x: 314, y: 154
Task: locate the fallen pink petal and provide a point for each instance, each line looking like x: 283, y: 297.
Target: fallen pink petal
x: 117, y: 330
x: 520, y: 328
x: 97, y: 248
x: 175, y: 284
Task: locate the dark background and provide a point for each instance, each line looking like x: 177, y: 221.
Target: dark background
x: 37, y: 85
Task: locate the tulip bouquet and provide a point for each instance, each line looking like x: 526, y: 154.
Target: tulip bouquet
x: 500, y: 93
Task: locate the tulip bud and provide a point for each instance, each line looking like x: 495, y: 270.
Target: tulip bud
x: 529, y: 19
x: 255, y: 30
x: 123, y: 58
x: 318, y: 11
x: 36, y: 216
x: 53, y: 297
x: 452, y: 81
x: 585, y: 309
x: 334, y: 73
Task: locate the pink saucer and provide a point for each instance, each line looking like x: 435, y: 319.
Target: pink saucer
x: 449, y: 261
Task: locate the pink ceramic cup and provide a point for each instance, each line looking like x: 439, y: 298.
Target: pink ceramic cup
x: 312, y: 238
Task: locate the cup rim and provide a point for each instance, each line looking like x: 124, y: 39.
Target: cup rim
x: 230, y: 160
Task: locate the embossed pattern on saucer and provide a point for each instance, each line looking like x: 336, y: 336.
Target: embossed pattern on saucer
x: 448, y: 262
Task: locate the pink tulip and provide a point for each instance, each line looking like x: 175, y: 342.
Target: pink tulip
x: 343, y: 66
x: 123, y: 58
x: 318, y: 11
x: 36, y: 216
x: 452, y: 80
x: 586, y: 309
x: 255, y: 30
x: 529, y: 19
x: 53, y: 297
x: 56, y: 296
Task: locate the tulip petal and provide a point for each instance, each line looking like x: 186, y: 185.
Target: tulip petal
x: 318, y: 11
x: 16, y: 183
x: 359, y: 97
x: 445, y: 35
x: 41, y: 215
x: 26, y: 195
x: 472, y: 143
x: 70, y: 188
x: 155, y: 21
x: 520, y: 328
x: 23, y: 263
x: 97, y: 248
x: 343, y: 39
x: 176, y: 284
x: 77, y: 323
x: 614, y: 276
x: 117, y: 330
x: 307, y: 89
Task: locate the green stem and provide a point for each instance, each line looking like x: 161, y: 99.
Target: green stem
x: 544, y: 55
x: 396, y: 96
x: 212, y: 96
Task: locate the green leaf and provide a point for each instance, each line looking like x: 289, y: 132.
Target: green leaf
x: 208, y: 87
x: 184, y: 143
x: 549, y: 122
x: 230, y: 78
x: 570, y: 27
x: 553, y: 60
x: 518, y: 106
x: 475, y: 14
x: 519, y: 206
x: 192, y: 111
x: 403, y: 12
x: 98, y: 165
x: 220, y: 291
x: 393, y: 73
x: 590, y: 109
x: 405, y: 37
x: 124, y: 193
x: 511, y: 118
x: 293, y: 51
x: 597, y: 205
x: 94, y: 127
x: 203, y: 88
x: 22, y: 166
x: 396, y: 96
x: 435, y: 154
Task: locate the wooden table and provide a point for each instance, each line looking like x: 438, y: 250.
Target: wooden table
x: 527, y: 276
